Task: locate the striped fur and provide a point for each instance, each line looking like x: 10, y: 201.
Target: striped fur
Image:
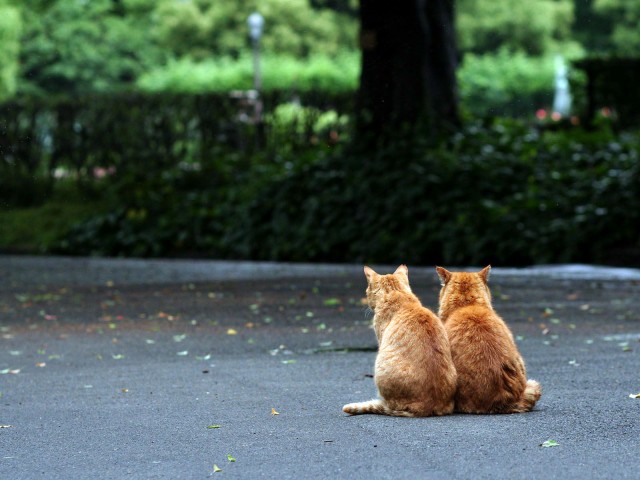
x: 491, y: 373
x: 374, y: 406
x: 413, y: 371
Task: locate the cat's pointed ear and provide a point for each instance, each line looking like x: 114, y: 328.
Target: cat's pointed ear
x: 484, y: 273
x: 402, y: 269
x: 369, y: 273
x: 444, y: 275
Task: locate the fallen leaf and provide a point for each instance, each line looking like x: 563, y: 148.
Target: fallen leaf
x: 288, y: 362
x: 274, y: 412
x: 625, y: 346
x: 148, y: 341
x: 330, y: 302
x: 117, y: 356
x: 549, y: 443
x: 213, y: 426
x: 230, y: 458
x: 184, y: 353
x: 41, y: 364
x: 634, y: 395
x: 179, y: 338
x: 216, y: 468
x: 232, y: 331
x: 125, y: 390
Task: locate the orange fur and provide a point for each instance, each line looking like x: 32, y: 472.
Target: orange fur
x: 414, y: 371
x: 491, y: 373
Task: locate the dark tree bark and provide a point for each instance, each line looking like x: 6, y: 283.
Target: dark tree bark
x: 409, y: 62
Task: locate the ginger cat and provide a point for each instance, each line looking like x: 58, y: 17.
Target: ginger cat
x: 491, y: 373
x: 414, y: 371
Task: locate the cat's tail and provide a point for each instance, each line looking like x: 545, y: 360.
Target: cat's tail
x: 374, y: 406
x: 530, y: 396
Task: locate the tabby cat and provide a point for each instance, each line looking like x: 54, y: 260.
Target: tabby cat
x: 414, y: 372
x: 491, y: 373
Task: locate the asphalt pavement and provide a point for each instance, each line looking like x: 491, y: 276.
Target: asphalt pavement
x: 185, y: 369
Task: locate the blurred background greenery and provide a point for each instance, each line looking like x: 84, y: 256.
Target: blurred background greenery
x: 119, y: 136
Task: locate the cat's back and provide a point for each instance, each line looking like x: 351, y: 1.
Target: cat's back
x: 414, y: 318
x: 415, y: 334
x: 477, y: 326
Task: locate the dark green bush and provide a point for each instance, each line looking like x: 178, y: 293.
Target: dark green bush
x: 501, y: 193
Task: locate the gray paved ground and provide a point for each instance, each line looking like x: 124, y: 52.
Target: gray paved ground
x: 116, y: 369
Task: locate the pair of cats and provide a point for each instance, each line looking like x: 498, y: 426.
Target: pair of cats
x: 464, y: 361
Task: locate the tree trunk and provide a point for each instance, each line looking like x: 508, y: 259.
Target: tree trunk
x: 409, y: 63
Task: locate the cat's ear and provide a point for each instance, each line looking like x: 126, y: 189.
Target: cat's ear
x: 369, y: 273
x: 484, y: 273
x: 444, y: 275
x: 402, y: 269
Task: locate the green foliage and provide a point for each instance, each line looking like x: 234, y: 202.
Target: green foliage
x: 38, y: 229
x: 71, y: 47
x: 76, y: 47
x: 534, y: 27
x: 505, y: 83
x: 500, y: 194
x: 10, y: 29
x: 336, y: 73
x: 200, y: 29
x: 625, y: 37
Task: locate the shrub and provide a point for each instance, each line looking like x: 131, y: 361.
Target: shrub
x: 501, y: 194
x: 338, y: 73
x: 505, y: 83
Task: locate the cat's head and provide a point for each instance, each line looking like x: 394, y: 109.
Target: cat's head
x: 380, y: 285
x: 464, y: 288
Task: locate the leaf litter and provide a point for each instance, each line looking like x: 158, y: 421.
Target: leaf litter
x: 549, y: 443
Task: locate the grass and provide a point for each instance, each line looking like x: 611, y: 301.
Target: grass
x: 37, y: 229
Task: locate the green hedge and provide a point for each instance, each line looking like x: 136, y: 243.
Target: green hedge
x: 501, y: 193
